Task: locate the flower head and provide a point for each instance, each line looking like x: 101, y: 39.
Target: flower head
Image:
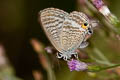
x: 76, y: 65
x: 98, y: 3
x: 49, y: 49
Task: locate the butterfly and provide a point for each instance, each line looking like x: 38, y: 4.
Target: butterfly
x: 66, y: 31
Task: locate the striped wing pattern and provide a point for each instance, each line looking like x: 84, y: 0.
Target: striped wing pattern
x: 72, y: 34
x: 52, y: 20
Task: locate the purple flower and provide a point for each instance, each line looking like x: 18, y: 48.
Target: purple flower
x: 76, y: 65
x: 98, y: 3
x: 49, y: 49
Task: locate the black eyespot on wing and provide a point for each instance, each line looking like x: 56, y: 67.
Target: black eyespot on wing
x: 85, y: 24
x: 90, y: 31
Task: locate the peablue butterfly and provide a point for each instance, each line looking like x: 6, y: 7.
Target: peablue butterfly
x: 66, y: 32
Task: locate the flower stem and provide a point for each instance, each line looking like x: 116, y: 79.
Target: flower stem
x: 98, y: 68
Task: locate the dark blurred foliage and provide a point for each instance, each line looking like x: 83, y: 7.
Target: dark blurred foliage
x: 18, y: 24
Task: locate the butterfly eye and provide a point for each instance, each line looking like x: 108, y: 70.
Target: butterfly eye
x: 84, y: 25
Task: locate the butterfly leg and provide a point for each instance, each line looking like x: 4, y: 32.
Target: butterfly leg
x: 75, y: 54
x: 68, y: 56
x: 65, y: 58
x: 84, y: 44
x: 59, y: 55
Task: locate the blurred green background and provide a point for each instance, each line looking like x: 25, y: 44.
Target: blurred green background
x: 19, y: 24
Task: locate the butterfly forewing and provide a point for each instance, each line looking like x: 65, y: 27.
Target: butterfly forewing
x: 52, y: 20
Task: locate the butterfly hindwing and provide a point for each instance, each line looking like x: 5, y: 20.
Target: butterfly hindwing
x: 72, y: 33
